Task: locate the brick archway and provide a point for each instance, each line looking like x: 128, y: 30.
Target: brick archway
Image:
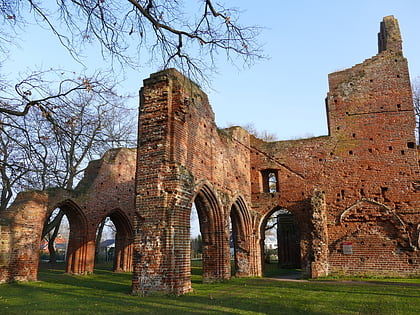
x: 287, y: 235
x: 108, y: 184
x: 216, y: 258
x: 80, y: 250
x: 123, y: 257
x: 243, y: 239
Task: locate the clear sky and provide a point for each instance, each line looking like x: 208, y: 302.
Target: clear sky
x: 304, y: 39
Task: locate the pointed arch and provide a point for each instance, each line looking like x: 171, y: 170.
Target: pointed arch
x: 216, y: 258
x: 287, y: 235
x: 368, y: 210
x: 123, y: 256
x: 79, y: 248
x: 243, y: 243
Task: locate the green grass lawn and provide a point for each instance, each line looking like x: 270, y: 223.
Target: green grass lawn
x: 106, y: 292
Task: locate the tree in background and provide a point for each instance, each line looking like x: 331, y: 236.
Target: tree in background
x: 51, y: 128
x: 196, y: 247
x: 43, y: 129
x: 270, y: 236
x: 263, y: 135
x: 106, y: 230
x: 52, y: 124
x: 416, y: 99
x: 47, y: 134
x: 187, y: 35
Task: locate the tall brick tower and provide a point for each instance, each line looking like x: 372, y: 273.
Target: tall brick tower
x: 376, y: 168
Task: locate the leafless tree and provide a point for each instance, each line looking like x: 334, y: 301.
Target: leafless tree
x: 47, y: 135
x: 105, y: 229
x: 183, y: 34
x: 416, y: 99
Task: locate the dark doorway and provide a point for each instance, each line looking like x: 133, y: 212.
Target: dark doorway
x: 288, y: 241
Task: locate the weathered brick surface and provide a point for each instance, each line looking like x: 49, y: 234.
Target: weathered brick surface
x: 353, y: 194
x: 106, y: 190
x: 183, y: 157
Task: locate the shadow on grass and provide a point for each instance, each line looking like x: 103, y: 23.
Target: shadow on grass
x: 273, y: 270
x: 106, y: 292
x: 55, y: 273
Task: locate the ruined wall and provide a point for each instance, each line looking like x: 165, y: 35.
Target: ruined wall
x: 371, y: 116
x: 107, y: 189
x: 183, y: 157
x: 369, y: 163
x: 353, y: 194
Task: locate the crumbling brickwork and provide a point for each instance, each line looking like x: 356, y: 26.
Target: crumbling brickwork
x: 107, y: 189
x: 353, y: 194
x: 351, y: 199
x: 183, y: 157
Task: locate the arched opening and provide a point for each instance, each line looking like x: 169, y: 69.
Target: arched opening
x: 55, y: 236
x: 78, y: 260
x: 67, y: 222
x: 240, y: 246
x: 114, y: 243
x: 105, y: 243
x: 280, y: 241
x: 196, y: 242
x: 215, y: 237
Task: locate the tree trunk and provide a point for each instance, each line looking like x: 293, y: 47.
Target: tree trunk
x: 51, y: 248
x: 98, y: 238
x: 55, y: 223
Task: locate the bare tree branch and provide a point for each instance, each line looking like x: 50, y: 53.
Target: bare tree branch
x: 68, y: 124
x: 186, y: 39
x: 416, y: 100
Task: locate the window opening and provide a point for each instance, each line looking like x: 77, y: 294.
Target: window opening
x: 270, y: 181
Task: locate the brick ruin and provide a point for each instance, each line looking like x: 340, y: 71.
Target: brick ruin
x: 352, y: 197
x: 107, y: 190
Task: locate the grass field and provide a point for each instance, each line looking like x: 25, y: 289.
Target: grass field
x: 106, y: 292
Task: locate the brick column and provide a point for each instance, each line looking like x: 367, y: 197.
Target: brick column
x: 319, y: 265
x: 27, y: 217
x: 163, y: 198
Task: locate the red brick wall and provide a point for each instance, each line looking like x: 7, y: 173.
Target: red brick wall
x: 357, y: 185
x: 184, y: 158
x: 357, y: 188
x: 107, y: 189
x: 370, y: 155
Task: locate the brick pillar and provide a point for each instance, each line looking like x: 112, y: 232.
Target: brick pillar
x: 27, y: 216
x: 162, y: 239
x: 319, y: 264
x: 163, y: 197
x: 80, y: 253
x: 247, y: 259
x: 255, y: 268
x: 123, y: 260
x: 5, y: 250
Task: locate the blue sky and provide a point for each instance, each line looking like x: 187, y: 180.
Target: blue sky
x: 305, y: 41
